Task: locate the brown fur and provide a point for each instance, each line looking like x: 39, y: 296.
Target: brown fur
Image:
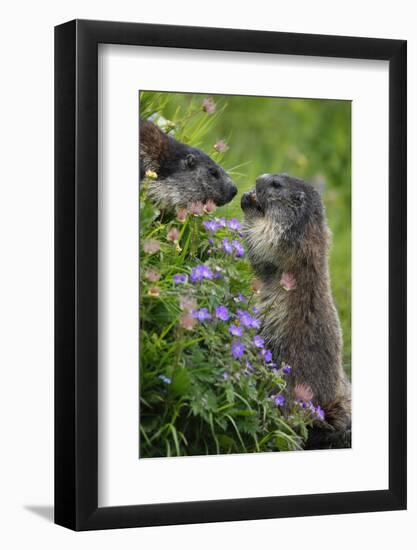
x: 286, y: 233
x: 153, y: 145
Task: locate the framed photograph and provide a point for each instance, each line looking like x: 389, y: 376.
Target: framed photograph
x: 230, y: 254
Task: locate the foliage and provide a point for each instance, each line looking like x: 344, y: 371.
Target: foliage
x: 208, y: 384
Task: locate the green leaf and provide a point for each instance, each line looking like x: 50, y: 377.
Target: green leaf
x: 180, y: 382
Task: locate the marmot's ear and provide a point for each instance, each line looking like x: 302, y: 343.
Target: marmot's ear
x: 190, y: 160
x: 152, y: 141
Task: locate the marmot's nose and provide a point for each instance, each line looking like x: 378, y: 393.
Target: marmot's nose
x: 232, y: 191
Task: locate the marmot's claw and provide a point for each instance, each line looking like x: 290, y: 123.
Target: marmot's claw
x: 249, y: 199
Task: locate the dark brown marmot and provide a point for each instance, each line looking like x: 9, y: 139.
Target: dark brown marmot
x: 287, y: 240
x: 185, y: 175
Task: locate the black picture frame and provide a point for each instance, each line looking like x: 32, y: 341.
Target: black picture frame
x: 76, y: 272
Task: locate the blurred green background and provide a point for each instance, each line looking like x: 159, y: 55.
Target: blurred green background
x: 307, y: 138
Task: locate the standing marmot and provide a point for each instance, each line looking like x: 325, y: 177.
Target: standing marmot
x: 185, y: 175
x: 287, y: 239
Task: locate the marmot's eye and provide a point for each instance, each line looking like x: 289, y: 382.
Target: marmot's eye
x: 190, y: 160
x: 276, y: 184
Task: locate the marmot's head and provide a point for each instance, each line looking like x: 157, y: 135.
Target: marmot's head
x: 185, y: 174
x: 284, y: 222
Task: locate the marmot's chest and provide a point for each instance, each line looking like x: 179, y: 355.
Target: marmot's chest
x: 275, y: 303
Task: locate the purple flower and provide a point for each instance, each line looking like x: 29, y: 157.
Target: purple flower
x: 206, y: 272
x: 238, y: 349
x: 226, y: 376
x: 279, y: 400
x: 211, y: 225
x: 255, y: 323
x: 247, y: 320
x: 255, y: 310
x: 222, y: 313
x: 244, y: 317
x: 201, y: 272
x: 164, y: 379
x: 202, y: 314
x: 227, y: 246
x: 234, y: 224
x: 240, y: 251
x: 195, y: 275
x: 235, y: 330
x: 221, y: 222
x: 286, y: 369
x: 319, y: 412
x: 180, y: 279
x: 241, y: 298
x: 258, y: 341
x: 267, y: 355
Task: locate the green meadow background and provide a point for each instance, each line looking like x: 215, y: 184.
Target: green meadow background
x: 310, y: 139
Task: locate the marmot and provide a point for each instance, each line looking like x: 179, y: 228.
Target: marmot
x: 185, y: 174
x: 287, y: 239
